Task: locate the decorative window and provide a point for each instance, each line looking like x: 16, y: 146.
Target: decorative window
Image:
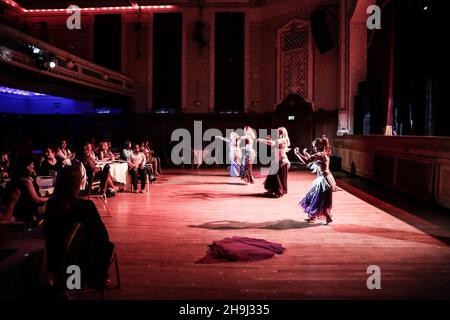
x: 295, y: 61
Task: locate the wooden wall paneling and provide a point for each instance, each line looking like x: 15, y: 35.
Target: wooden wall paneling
x: 414, y: 175
x: 442, y: 183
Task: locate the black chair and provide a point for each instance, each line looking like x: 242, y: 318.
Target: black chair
x: 72, y: 250
x: 72, y: 254
x: 96, y: 186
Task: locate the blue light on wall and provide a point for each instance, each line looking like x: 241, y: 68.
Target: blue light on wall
x: 20, y: 92
x: 18, y: 101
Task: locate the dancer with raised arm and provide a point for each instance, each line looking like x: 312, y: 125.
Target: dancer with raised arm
x: 249, y: 155
x: 276, y: 182
x: 318, y: 201
x: 234, y: 153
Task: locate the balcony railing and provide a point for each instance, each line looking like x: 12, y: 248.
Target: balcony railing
x: 16, y: 48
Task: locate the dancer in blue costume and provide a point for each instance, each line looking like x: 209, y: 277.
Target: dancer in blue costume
x: 318, y: 201
x: 234, y: 153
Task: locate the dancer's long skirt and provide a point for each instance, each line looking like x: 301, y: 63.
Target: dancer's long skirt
x: 277, y: 183
x: 318, y: 201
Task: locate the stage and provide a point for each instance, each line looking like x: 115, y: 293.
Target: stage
x: 161, y: 234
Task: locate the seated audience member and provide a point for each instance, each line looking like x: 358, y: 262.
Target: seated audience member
x: 148, y: 165
x: 89, y: 151
x: 9, y: 202
x: 116, y: 156
x: 105, y: 154
x: 65, y: 154
x: 153, y: 158
x: 94, y: 172
x: 93, y: 143
x: 144, y: 150
x: 127, y: 151
x: 27, y: 205
x: 50, y: 164
x: 136, y: 167
x: 5, y: 165
x: 64, y: 209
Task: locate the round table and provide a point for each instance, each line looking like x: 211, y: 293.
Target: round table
x: 117, y: 169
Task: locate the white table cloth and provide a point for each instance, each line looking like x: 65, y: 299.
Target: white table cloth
x: 117, y: 169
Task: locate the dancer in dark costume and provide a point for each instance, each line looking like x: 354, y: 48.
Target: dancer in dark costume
x: 249, y: 155
x: 319, y: 200
x: 276, y: 182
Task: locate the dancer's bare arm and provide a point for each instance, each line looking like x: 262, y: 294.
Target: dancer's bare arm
x: 301, y: 157
x: 267, y: 141
x: 224, y: 139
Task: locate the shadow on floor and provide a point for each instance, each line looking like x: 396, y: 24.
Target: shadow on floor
x: 208, y: 195
x: 198, y: 172
x: 270, y: 225
x: 212, y: 183
x: 259, y: 195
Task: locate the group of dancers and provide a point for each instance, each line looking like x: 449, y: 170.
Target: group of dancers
x: 318, y: 201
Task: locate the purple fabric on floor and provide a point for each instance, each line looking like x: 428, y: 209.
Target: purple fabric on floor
x: 239, y: 249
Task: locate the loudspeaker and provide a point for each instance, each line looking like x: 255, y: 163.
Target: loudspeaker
x: 321, y: 34
x: 358, y: 109
x: 199, y: 38
x: 358, y: 115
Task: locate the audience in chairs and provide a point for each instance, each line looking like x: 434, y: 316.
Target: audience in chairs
x: 88, y: 151
x: 148, y: 164
x: 20, y: 196
x: 8, y: 200
x: 93, y: 172
x: 127, y: 150
x: 5, y: 165
x: 105, y: 154
x: 50, y: 164
x: 64, y: 209
x: 137, y: 169
x: 93, y: 143
x: 65, y: 154
x: 152, y: 157
x: 28, y: 203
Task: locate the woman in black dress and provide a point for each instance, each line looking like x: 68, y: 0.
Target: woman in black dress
x: 24, y: 183
x: 63, y: 211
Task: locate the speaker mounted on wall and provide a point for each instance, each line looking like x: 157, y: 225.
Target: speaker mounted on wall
x: 320, y: 31
x: 198, y: 35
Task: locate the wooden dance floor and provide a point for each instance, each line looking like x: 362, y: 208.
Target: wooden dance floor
x: 159, y: 236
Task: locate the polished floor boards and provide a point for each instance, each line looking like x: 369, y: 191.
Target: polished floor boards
x: 161, y: 234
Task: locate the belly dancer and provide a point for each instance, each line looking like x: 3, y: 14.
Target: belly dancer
x: 249, y: 155
x: 234, y: 153
x: 318, y: 201
x: 276, y: 182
